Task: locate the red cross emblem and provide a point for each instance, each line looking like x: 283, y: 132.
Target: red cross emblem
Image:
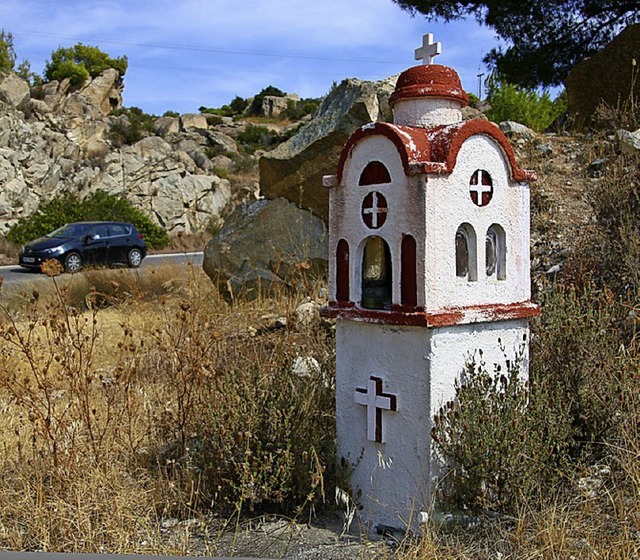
x: 481, y: 187
x: 374, y: 210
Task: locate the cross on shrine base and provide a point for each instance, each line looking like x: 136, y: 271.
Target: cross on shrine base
x: 376, y: 401
x: 428, y: 50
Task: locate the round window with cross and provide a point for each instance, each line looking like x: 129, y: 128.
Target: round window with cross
x: 481, y: 187
x: 374, y: 210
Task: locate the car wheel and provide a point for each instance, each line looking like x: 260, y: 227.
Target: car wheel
x: 135, y: 258
x: 73, y: 262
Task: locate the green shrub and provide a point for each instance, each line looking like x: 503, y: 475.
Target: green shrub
x: 139, y: 125
x: 498, y: 440
x: 255, y: 137
x: 81, y: 61
x: 514, y: 103
x: 505, y: 441
x: 298, y: 109
x: 100, y: 205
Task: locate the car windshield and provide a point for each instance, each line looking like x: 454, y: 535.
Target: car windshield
x: 67, y: 231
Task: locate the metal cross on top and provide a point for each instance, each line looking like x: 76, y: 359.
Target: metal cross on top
x: 376, y: 401
x: 428, y: 50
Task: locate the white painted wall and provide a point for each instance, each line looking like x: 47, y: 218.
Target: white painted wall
x: 448, y: 205
x: 392, y: 480
x: 406, y: 200
x: 427, y: 112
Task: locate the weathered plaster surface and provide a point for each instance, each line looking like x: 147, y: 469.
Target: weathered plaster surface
x: 428, y: 112
x: 392, y: 481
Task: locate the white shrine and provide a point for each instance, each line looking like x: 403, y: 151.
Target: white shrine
x: 429, y: 263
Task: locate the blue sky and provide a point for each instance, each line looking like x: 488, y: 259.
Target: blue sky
x: 186, y: 53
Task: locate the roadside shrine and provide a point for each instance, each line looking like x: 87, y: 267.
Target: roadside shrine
x: 429, y: 265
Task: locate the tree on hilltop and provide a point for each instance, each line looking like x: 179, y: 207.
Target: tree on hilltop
x: 7, y: 52
x: 546, y: 38
x: 80, y: 62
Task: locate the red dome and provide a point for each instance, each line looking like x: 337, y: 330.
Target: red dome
x: 429, y: 80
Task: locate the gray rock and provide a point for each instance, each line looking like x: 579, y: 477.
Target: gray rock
x: 517, y: 130
x: 264, y: 246
x: 98, y: 97
x: 14, y: 91
x: 596, y: 167
x: 469, y: 113
x: 167, y: 125
x: 294, y: 170
x: 190, y: 121
x: 629, y: 142
x: 222, y: 141
x: 273, y: 106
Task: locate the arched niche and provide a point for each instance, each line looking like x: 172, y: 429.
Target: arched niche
x: 374, y: 173
x: 376, y: 289
x: 496, y: 253
x: 466, y: 251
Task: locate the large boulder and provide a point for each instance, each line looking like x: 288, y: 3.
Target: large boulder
x: 295, y: 168
x: 606, y: 77
x: 14, y: 91
x: 273, y: 106
x: 266, y: 245
x: 96, y: 98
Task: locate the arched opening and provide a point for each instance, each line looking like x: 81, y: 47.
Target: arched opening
x: 376, y: 274
x: 408, y: 280
x: 496, y: 253
x: 342, y: 271
x: 374, y: 173
x: 465, y: 244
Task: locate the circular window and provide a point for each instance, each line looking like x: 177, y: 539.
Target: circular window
x: 374, y: 210
x: 481, y: 187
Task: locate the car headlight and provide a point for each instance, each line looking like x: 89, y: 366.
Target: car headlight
x: 52, y: 251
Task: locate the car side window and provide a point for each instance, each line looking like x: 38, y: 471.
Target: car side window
x: 118, y: 229
x: 98, y: 232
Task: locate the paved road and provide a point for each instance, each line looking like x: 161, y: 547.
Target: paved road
x: 14, y: 274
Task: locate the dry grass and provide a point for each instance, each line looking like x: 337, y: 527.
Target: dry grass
x: 120, y: 412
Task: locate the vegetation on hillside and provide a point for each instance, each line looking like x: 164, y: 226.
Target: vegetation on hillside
x: 80, y: 62
x: 508, y: 102
x: 67, y: 208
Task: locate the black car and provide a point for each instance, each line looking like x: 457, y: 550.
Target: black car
x: 75, y: 245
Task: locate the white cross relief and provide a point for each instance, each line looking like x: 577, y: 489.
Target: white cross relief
x: 428, y: 50
x: 376, y: 401
x: 374, y: 210
x: 479, y: 189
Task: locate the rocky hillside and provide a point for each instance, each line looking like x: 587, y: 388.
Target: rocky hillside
x: 54, y: 139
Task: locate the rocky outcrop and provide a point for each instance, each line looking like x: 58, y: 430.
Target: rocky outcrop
x: 14, y: 92
x: 607, y: 77
x: 294, y: 169
x: 266, y: 245
x: 58, y: 140
x: 273, y: 106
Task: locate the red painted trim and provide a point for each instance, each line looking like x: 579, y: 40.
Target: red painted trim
x: 342, y: 271
x: 429, y: 80
x: 441, y: 318
x: 433, y: 150
x: 412, y: 146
